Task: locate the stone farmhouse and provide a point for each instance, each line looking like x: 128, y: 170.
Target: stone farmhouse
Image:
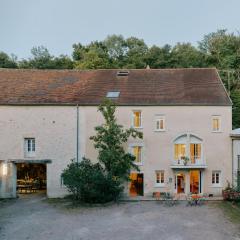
x: 47, y: 117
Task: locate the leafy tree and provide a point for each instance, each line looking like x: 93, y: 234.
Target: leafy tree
x: 185, y: 55
x: 136, y: 53
x: 109, y: 142
x: 222, y: 48
x: 158, y: 57
x: 103, y: 181
x: 117, y: 50
x: 7, y: 62
x: 235, y: 96
x: 42, y: 59
x: 93, y: 56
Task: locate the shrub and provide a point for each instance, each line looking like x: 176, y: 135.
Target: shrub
x: 89, y: 182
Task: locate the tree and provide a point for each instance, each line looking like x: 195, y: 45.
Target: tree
x: 92, y: 56
x: 117, y: 50
x: 222, y: 48
x: 42, y: 59
x: 136, y: 53
x: 185, y: 55
x: 103, y: 181
x: 158, y: 57
x: 7, y: 62
x: 109, y: 142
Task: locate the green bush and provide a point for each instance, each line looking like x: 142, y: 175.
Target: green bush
x: 89, y: 182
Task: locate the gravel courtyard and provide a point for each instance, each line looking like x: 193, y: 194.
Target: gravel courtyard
x: 36, y: 219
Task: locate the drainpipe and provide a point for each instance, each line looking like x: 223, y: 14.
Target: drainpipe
x: 77, y: 154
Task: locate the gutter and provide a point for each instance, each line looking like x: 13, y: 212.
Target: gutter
x: 77, y: 135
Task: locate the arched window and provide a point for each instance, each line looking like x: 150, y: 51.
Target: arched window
x: 188, y: 146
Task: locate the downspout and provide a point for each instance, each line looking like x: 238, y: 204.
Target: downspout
x: 77, y: 153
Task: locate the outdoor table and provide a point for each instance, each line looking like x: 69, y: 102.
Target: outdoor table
x: 25, y: 187
x: 196, y: 199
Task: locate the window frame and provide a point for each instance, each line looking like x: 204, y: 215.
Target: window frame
x: 160, y: 184
x: 133, y: 119
x: 159, y: 119
x: 29, y: 147
x: 216, y: 117
x: 131, y: 150
x: 213, y: 177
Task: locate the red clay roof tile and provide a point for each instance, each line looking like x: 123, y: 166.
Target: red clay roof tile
x: 193, y: 86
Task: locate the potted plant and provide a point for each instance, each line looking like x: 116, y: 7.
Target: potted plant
x: 185, y: 160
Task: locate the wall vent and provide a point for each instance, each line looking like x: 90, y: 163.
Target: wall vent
x: 122, y: 73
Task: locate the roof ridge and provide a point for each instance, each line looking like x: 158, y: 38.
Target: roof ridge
x: 104, y: 69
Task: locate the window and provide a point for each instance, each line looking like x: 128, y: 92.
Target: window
x: 137, y: 152
x: 160, y: 177
x: 160, y: 124
x: 180, y: 151
x: 137, y: 119
x: 29, y: 147
x: 195, y: 151
x: 216, y: 178
x: 216, y: 124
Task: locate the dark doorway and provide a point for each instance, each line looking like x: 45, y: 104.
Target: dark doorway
x: 31, y: 177
x: 136, y: 184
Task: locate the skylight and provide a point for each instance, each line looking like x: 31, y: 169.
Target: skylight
x: 114, y: 94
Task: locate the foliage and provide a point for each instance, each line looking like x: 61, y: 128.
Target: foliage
x: 7, y: 62
x: 103, y: 181
x: 90, y: 183
x: 109, y: 142
x: 42, y: 59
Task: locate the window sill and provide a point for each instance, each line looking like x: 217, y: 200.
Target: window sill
x: 216, y: 131
x: 137, y: 127
x: 138, y: 164
x: 159, y: 185
x: 30, y: 156
x: 216, y: 186
x: 160, y: 130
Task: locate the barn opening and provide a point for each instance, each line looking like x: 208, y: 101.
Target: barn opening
x: 31, y: 178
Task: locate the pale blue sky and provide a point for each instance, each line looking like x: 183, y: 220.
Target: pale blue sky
x: 57, y: 24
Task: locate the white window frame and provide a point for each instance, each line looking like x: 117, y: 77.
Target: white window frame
x: 188, y: 139
x: 159, y: 119
x: 160, y: 184
x: 131, y: 146
x: 214, y: 184
x: 32, y: 151
x: 218, y: 117
x: 133, y: 117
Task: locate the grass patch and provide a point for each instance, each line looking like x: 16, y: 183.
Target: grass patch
x: 231, y: 210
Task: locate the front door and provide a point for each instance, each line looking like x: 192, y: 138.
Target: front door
x: 195, y: 181
x: 136, y: 184
x: 180, y: 183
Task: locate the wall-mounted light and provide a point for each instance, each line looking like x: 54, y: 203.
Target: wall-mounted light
x: 4, y: 169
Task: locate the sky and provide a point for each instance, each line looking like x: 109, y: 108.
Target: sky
x: 58, y: 24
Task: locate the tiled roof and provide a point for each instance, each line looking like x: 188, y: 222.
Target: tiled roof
x: 193, y: 86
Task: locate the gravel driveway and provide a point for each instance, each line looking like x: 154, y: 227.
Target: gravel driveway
x: 35, y: 219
